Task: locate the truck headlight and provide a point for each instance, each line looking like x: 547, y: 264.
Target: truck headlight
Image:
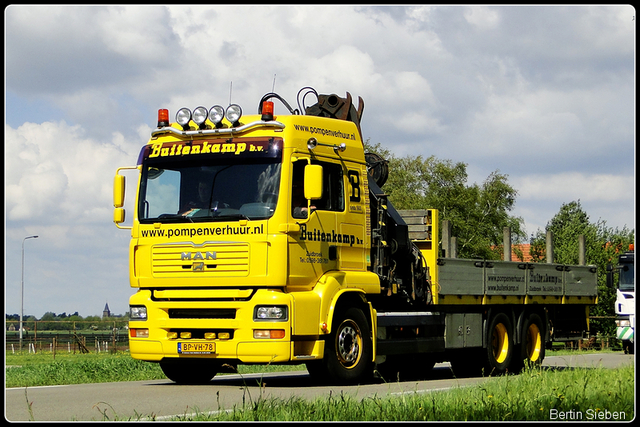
x: 623, y: 323
x: 271, y: 313
x: 137, y: 312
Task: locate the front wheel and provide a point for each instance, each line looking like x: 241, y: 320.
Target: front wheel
x: 349, y: 349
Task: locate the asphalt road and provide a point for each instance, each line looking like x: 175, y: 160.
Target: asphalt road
x: 164, y: 399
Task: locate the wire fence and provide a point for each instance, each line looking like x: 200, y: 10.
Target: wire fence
x: 67, y: 336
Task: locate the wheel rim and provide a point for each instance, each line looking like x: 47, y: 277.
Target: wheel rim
x: 349, y: 344
x: 500, y: 343
x: 534, y: 343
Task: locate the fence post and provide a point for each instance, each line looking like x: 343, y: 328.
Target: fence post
x: 115, y: 330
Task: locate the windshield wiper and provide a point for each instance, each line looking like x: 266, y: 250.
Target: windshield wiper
x: 230, y: 216
x: 174, y: 218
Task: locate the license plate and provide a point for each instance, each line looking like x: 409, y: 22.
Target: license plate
x: 196, y: 347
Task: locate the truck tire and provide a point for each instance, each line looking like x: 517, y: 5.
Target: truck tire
x: 349, y: 349
x: 499, y: 345
x: 531, y: 350
x: 190, y: 371
x: 533, y: 345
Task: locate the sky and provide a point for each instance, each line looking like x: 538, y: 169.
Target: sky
x: 543, y: 94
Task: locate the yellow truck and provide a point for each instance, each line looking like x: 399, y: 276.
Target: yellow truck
x: 266, y: 239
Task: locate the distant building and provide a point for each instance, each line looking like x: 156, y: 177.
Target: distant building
x: 525, y: 248
x: 106, y: 312
x: 519, y: 252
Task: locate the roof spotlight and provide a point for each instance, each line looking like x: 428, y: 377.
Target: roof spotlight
x: 183, y: 116
x: 216, y: 114
x: 234, y: 112
x: 200, y: 116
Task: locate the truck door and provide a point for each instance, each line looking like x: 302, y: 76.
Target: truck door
x: 314, y: 250
x: 352, y: 221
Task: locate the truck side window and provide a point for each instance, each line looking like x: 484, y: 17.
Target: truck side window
x: 333, y: 191
x: 298, y: 202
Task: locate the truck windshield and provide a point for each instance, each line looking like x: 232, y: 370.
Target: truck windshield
x: 209, y: 186
x: 627, y: 279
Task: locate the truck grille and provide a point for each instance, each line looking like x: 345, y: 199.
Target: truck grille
x: 202, y: 313
x: 208, y: 260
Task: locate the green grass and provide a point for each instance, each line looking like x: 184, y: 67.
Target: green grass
x: 41, y: 369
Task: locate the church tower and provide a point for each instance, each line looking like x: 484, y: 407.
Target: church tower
x: 106, y: 312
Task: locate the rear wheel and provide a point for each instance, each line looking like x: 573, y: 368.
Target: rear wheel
x: 499, y: 346
x: 533, y: 345
x: 190, y: 371
x: 531, y: 349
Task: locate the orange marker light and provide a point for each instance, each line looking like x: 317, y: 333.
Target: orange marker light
x: 267, y: 110
x: 163, y: 118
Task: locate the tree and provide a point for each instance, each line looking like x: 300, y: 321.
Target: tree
x: 478, y: 213
x: 602, y: 246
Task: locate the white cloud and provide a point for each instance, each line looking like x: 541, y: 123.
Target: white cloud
x: 58, y: 175
x: 485, y: 18
x: 138, y: 33
x: 570, y: 186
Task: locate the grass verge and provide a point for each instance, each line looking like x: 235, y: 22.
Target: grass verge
x: 537, y: 394
x: 41, y: 369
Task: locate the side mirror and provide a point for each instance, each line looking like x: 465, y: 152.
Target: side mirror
x: 118, y: 215
x: 118, y: 197
x: 118, y: 191
x: 609, y: 276
x: 313, y: 182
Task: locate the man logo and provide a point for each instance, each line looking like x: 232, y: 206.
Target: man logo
x: 188, y: 256
x: 199, y: 257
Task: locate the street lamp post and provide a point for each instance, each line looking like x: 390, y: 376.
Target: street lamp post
x: 22, y: 287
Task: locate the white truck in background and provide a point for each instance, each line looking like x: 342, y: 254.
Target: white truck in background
x: 625, y: 305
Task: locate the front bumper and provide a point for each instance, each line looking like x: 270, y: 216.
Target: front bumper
x: 234, y: 334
